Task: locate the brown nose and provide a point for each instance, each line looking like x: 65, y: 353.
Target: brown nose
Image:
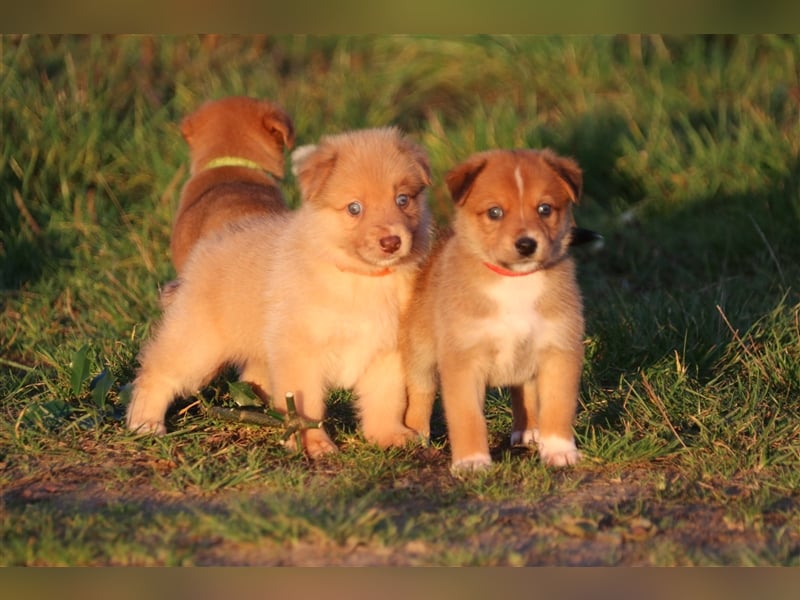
x: 390, y: 243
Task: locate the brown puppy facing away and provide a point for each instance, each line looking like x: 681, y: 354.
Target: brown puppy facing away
x: 498, y: 304
x: 307, y: 300
x: 236, y: 148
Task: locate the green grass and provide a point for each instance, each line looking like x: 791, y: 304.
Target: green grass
x: 690, y: 403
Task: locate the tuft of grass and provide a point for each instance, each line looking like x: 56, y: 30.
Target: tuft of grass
x: 688, y: 416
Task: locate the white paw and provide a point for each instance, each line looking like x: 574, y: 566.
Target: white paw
x: 145, y: 427
x: 474, y: 462
x: 556, y: 451
x: 529, y: 437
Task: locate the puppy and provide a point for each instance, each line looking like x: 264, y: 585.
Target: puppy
x: 306, y: 300
x: 236, y: 147
x: 498, y: 304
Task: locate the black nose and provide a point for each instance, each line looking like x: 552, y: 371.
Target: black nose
x: 525, y: 246
x: 390, y: 243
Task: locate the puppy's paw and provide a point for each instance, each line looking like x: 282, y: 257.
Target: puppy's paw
x: 472, y: 463
x: 399, y: 436
x: 529, y: 437
x: 316, y: 443
x: 557, y: 451
x: 143, y: 426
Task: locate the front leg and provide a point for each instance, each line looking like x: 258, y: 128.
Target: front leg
x: 381, y: 399
x: 463, y: 398
x: 301, y: 377
x: 557, y: 384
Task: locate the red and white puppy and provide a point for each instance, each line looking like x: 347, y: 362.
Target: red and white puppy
x: 498, y: 304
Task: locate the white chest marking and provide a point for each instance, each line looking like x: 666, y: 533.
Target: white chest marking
x: 516, y: 322
x: 513, y: 325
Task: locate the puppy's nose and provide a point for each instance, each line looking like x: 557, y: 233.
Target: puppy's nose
x: 525, y: 246
x: 390, y: 243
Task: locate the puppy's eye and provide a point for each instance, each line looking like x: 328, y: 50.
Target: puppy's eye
x: 401, y: 200
x: 354, y: 208
x: 495, y: 213
x: 545, y: 209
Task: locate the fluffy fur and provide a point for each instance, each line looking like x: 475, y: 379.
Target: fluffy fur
x: 307, y: 300
x: 498, y: 304
x: 236, y: 147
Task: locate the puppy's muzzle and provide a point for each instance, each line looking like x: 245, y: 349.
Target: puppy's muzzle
x: 525, y: 246
x: 390, y: 243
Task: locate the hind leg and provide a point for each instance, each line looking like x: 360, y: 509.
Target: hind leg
x: 419, y: 364
x: 172, y: 364
x: 525, y: 412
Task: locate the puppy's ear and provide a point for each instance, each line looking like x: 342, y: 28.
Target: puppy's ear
x: 568, y: 171
x: 278, y: 124
x: 419, y: 157
x: 461, y: 177
x: 299, y: 156
x: 187, y: 128
x: 312, y: 165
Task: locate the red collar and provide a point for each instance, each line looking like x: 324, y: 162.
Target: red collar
x: 378, y: 273
x: 507, y: 272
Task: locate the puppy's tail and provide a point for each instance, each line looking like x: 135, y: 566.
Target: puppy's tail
x: 580, y: 236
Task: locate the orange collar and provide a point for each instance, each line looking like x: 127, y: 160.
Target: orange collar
x: 379, y: 273
x: 507, y: 272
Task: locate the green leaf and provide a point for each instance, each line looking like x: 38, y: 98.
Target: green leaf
x: 100, y: 387
x: 243, y: 395
x: 79, y: 369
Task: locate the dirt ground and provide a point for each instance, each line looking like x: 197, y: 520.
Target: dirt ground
x: 628, y: 517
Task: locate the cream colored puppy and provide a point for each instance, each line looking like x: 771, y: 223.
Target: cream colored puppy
x: 308, y: 300
x: 498, y: 304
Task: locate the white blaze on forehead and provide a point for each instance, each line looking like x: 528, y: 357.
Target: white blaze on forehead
x: 518, y: 179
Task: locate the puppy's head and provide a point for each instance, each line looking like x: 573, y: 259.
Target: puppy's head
x: 368, y: 187
x: 239, y: 127
x: 514, y: 207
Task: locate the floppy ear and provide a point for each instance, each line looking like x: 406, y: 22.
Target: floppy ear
x: 419, y: 157
x: 568, y: 170
x: 278, y: 124
x: 312, y: 165
x: 461, y: 177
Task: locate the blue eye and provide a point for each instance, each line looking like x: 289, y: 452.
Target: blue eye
x: 545, y: 209
x: 354, y: 208
x: 401, y: 200
x: 495, y: 213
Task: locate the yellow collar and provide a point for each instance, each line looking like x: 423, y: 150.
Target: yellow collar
x: 232, y: 161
